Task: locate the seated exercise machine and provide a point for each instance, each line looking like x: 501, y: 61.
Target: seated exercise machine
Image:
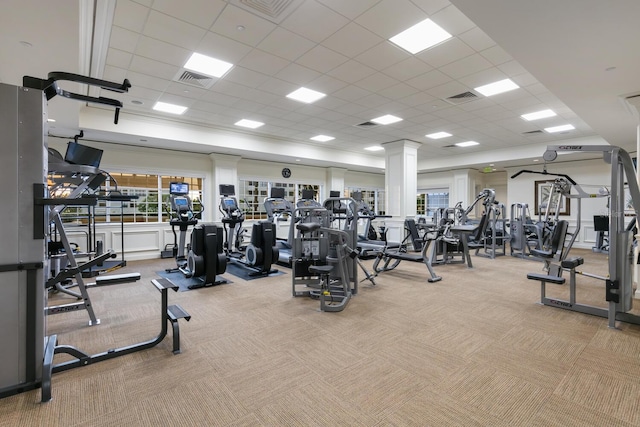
x: 388, y: 259
x: 618, y: 289
x: 323, y: 263
x: 490, y: 234
x: 261, y: 253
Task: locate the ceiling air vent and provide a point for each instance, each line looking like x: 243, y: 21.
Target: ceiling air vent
x: 194, y: 79
x: 461, y: 98
x: 272, y: 10
x: 532, y: 132
x: 367, y: 125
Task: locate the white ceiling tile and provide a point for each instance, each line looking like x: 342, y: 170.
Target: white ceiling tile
x: 383, y: 55
x: 277, y: 87
x: 477, y: 104
x: 483, y: 77
x: 250, y: 106
x: 321, y: 59
x: 161, y: 51
x: 466, y: 66
x: 153, y: 68
x: 188, y: 91
x: 222, y: 48
x: 417, y: 99
x: 477, y: 39
x: 350, y: 110
x: 327, y: 84
x: 263, y: 62
x: 179, y: 33
x: 397, y: 91
x: 114, y: 74
x: 445, y: 53
x: 496, y: 55
x: 376, y: 82
x: 119, y: 58
x: 123, y: 39
x: 286, y: 44
x: 147, y: 81
x: 297, y: 74
x: 197, y: 12
x: 429, y: 79
x: 254, y: 29
x: 130, y: 15
x: 352, y: 40
x: 232, y: 89
x: 431, y: 6
x: 246, y: 77
x: 513, y: 68
x: 141, y: 93
x: 351, y: 71
x: 448, y: 89
x: 452, y: 20
x: 352, y: 8
x: 390, y: 17
x: 407, y: 69
x: 314, y: 21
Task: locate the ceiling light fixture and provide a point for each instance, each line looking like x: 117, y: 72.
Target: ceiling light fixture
x: 438, y: 135
x: 374, y: 148
x: 251, y: 124
x: 169, y: 108
x: 542, y: 114
x: 387, y: 119
x: 497, y: 87
x: 467, y: 144
x: 305, y: 95
x: 421, y: 36
x: 322, y: 138
x: 561, y: 128
x: 207, y: 65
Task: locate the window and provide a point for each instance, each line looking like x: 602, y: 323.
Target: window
x: 374, y: 198
x: 432, y: 200
x: 251, y: 195
x: 145, y: 208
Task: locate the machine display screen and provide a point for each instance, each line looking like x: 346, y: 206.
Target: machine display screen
x: 179, y: 188
x: 180, y: 201
x: 230, y: 203
x: 82, y: 155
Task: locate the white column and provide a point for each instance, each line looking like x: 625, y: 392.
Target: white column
x: 401, y: 184
x: 635, y: 254
x: 225, y: 171
x: 335, y: 181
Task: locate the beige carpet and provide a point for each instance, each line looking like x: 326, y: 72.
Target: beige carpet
x: 472, y: 350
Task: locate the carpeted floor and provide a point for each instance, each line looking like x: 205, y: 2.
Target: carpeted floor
x: 474, y: 349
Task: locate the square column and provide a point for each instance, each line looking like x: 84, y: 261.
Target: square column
x: 225, y: 171
x: 401, y: 183
x: 335, y: 180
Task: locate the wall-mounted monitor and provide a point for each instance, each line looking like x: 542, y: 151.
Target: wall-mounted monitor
x: 179, y: 188
x: 227, y: 190
x: 78, y: 154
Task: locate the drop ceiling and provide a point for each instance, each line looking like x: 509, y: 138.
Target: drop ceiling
x: 577, y: 58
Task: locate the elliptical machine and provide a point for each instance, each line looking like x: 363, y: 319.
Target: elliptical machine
x: 261, y: 252
x: 205, y: 257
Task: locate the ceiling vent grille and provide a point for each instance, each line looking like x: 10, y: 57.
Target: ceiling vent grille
x: 272, y: 10
x: 367, y: 125
x: 194, y: 79
x: 532, y: 132
x: 461, y: 98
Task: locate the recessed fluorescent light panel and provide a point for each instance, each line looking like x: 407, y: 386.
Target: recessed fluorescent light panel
x: 466, y: 144
x: 207, y: 65
x: 374, y: 148
x: 561, y: 128
x: 251, y: 124
x: 543, y: 114
x: 169, y: 108
x: 322, y: 138
x: 386, y: 119
x: 438, y: 135
x: 497, y: 87
x: 306, y: 95
x: 421, y: 36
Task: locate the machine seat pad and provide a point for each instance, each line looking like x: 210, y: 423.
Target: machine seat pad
x: 572, y: 263
x: 308, y: 227
x: 546, y: 278
x: 320, y: 269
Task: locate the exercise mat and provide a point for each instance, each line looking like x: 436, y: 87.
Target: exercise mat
x: 184, y: 283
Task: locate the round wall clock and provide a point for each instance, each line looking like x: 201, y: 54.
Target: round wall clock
x: 286, y: 173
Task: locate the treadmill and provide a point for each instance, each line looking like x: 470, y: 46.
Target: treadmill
x: 277, y: 207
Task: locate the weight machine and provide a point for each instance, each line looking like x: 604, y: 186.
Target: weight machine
x: 619, y: 281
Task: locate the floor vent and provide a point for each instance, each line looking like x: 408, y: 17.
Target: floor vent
x: 194, y: 79
x: 272, y: 10
x: 461, y: 98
